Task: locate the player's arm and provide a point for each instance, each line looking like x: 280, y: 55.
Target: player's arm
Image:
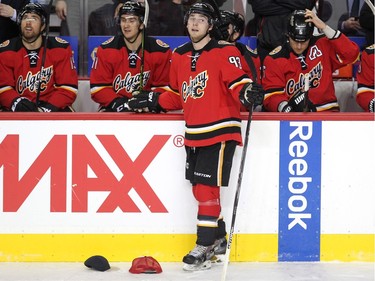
x: 66, y: 81
x: 101, y: 78
x: 344, y: 51
x: 9, y: 98
x: 365, y: 96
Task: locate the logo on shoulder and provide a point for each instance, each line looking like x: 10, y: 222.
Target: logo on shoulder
x: 372, y: 47
x: 255, y: 52
x: 4, y: 44
x: 276, y: 50
x: 60, y: 40
x: 223, y: 42
x: 108, y: 41
x: 161, y: 43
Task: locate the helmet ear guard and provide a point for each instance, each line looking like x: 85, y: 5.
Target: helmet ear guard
x: 298, y: 29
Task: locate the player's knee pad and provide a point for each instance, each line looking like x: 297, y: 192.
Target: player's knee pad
x: 208, y: 198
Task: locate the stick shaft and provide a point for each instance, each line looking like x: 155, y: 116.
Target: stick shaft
x: 237, y: 196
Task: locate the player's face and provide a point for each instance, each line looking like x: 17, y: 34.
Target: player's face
x: 130, y: 26
x: 298, y: 47
x: 31, y: 26
x: 198, y: 26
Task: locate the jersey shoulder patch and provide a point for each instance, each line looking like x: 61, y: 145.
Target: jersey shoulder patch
x: 5, y: 44
x: 13, y: 45
x: 109, y: 40
x: 275, y: 51
x: 57, y: 42
x: 222, y: 42
x: 370, y: 49
x: 162, y: 43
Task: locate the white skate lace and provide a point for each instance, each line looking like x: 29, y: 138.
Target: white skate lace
x: 198, y: 251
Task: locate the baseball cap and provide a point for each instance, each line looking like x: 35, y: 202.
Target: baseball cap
x: 145, y: 264
x: 99, y: 263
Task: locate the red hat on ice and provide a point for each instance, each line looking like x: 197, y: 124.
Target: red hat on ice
x: 145, y: 264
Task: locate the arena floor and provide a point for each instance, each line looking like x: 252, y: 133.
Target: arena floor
x: 318, y: 271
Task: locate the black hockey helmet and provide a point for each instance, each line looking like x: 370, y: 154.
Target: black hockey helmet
x: 234, y: 18
x: 298, y: 29
x: 133, y: 8
x: 35, y: 8
x: 222, y: 25
x: 203, y: 9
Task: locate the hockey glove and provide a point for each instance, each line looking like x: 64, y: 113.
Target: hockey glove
x: 371, y: 105
x: 252, y: 94
x: 119, y: 105
x: 47, y: 107
x: 23, y: 104
x: 146, y: 99
x: 300, y: 102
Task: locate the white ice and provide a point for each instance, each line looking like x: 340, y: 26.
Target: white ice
x: 246, y: 271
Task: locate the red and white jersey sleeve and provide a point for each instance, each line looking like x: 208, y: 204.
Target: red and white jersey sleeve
x: 365, y: 78
x: 19, y: 77
x: 116, y: 70
x: 206, y: 85
x: 284, y: 71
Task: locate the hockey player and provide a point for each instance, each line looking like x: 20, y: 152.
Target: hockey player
x: 365, y: 78
x: 207, y: 82
x: 22, y: 78
x: 303, y: 53
x: 117, y: 69
x: 231, y: 28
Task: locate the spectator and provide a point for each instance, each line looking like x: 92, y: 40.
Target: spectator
x: 8, y: 18
x: 366, y: 20
x: 26, y: 85
x: 208, y: 83
x: 304, y: 54
x: 166, y: 18
x: 365, y: 78
x: 349, y: 21
x: 124, y: 65
x: 103, y: 20
x: 271, y: 17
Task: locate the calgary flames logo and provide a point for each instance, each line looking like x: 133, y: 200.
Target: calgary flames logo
x: 293, y: 86
x: 194, y: 88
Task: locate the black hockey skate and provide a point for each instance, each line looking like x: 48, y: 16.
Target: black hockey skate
x: 220, y: 248
x: 199, y: 258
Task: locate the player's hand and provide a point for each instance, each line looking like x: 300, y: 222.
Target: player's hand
x: 252, y: 94
x: 371, y: 105
x: 300, y: 102
x: 47, y: 107
x: 119, y: 105
x: 23, y: 104
x: 146, y: 99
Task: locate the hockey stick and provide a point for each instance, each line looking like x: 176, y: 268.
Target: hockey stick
x: 237, y: 196
x: 44, y: 53
x: 368, y: 2
x: 306, y: 89
x: 145, y: 20
x: 216, y: 8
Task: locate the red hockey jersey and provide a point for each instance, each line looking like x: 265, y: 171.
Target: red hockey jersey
x: 206, y: 85
x: 284, y: 71
x: 21, y: 72
x: 116, y: 69
x: 365, y: 78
